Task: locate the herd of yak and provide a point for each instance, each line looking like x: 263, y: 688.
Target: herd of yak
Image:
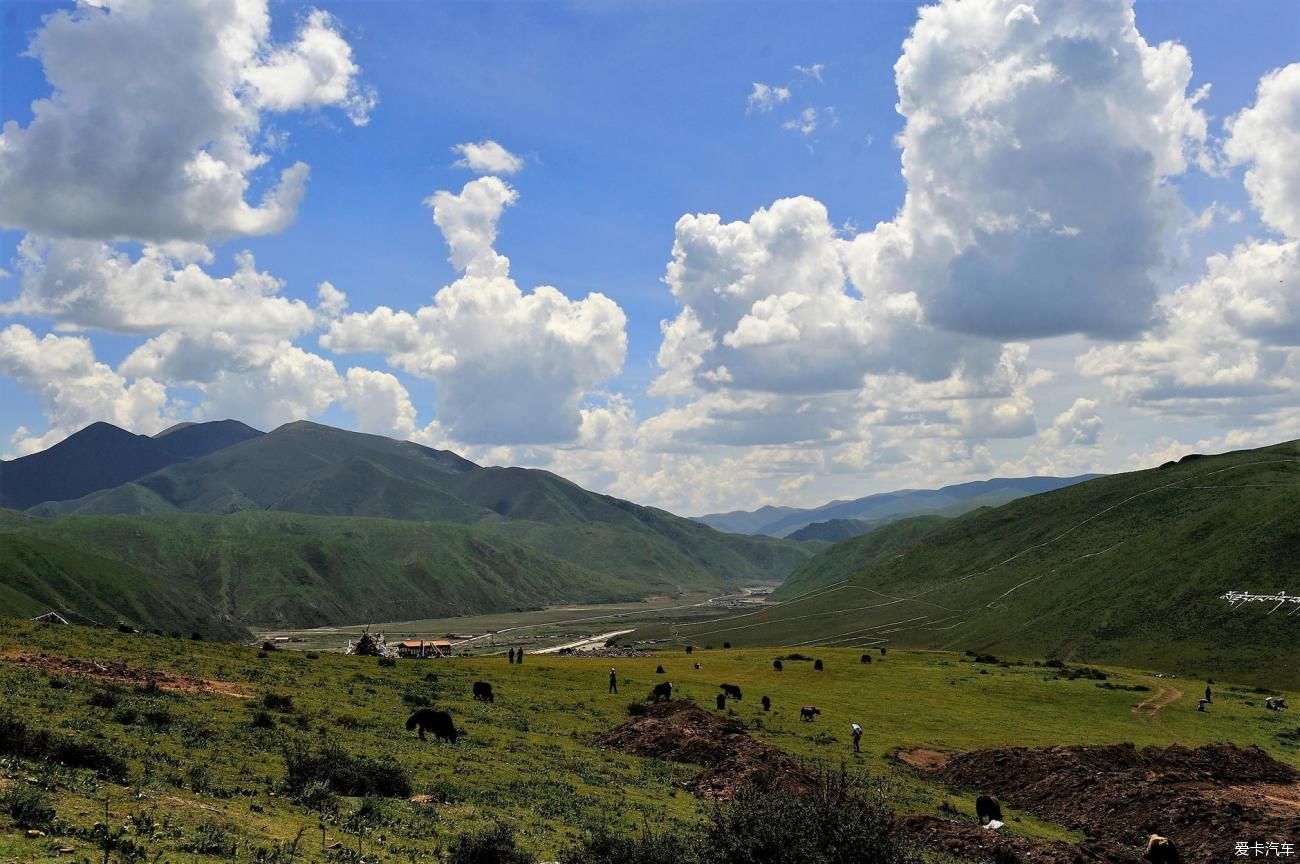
x: 988, y: 811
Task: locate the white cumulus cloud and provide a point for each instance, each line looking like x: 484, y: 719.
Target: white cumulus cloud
x: 487, y: 157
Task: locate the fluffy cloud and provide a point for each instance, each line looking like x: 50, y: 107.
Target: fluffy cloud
x: 380, y: 402
x: 75, y: 389
x: 1036, y: 146
x: 83, y: 284
x: 150, y: 132
x: 487, y: 157
x: 1078, y: 426
x: 1266, y: 137
x: 510, y: 367
x: 765, y: 97
x: 1225, y: 346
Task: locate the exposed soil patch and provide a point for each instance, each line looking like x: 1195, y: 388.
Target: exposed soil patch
x: 923, y: 759
x: 681, y: 731
x: 120, y: 673
x: 968, y: 841
x: 1203, y: 799
x: 1165, y: 695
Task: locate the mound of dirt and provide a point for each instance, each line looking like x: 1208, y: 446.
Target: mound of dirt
x: 681, y: 731
x: 120, y: 673
x: 1204, y: 799
x: 968, y: 841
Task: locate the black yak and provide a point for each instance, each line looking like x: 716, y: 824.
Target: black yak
x: 767, y: 704
x: 483, y: 692
x: 776, y: 664
x: 1161, y: 850
x: 817, y: 664
x: 987, y: 809
x: 437, y: 722
x: 659, y: 670
x: 689, y: 649
x: 808, y: 712
x: 866, y: 658
x: 665, y: 690
x: 730, y: 690
x: 722, y: 701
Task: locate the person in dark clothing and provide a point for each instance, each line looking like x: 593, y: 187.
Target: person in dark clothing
x: 857, y: 737
x: 519, y: 656
x: 512, y: 656
x: 613, y: 681
x: 1208, y: 697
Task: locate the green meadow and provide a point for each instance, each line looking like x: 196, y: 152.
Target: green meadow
x: 206, y: 772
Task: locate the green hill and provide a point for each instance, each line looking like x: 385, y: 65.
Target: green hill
x: 834, y: 530
x: 415, y: 532
x: 218, y: 574
x: 844, y: 561
x: 1127, y: 568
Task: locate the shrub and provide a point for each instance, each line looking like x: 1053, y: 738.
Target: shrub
x: 317, y: 795
x: 986, y: 658
x: 126, y: 716
x: 388, y: 661
x: 211, y: 838
x: 103, y: 699
x: 29, y: 806
x: 494, y: 845
x: 795, y: 657
x: 263, y: 720
x: 602, y: 846
x: 1055, y: 663
x: 844, y: 819
x: 345, y: 774
x: 125, y: 628
x: 158, y: 718
x: 277, y: 702
x: 312, y: 655
x: 268, y: 645
x: 416, y: 700
x: 17, y: 740
x: 636, y: 709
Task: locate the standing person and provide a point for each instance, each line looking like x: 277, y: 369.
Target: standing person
x: 857, y: 737
x: 1207, y: 693
x: 512, y: 656
x: 519, y: 656
x: 613, y: 681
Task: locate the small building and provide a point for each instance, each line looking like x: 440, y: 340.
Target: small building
x: 418, y: 649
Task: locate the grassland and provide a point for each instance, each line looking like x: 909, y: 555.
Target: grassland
x: 201, y: 765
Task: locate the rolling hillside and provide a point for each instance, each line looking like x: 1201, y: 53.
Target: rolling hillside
x: 886, y: 506
x: 403, y: 531
x: 217, y: 574
x: 1127, y: 568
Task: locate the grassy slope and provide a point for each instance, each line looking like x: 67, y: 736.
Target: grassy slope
x: 308, y: 468
x: 527, y: 759
x: 276, y: 568
x: 1124, y: 569
x: 848, y: 559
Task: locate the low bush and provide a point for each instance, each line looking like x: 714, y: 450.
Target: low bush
x: 494, y: 845
x: 345, y: 774
x: 29, y: 806
x: 17, y: 740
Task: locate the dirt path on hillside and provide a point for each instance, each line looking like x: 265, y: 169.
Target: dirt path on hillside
x: 120, y: 673
x: 1165, y: 695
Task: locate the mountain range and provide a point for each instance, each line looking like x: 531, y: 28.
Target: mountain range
x: 883, y: 507
x: 217, y: 526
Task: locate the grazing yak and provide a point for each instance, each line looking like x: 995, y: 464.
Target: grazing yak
x: 659, y: 670
x: 987, y: 809
x: 866, y: 658
x: 437, y: 722
x: 817, y: 665
x: 665, y: 690
x: 767, y: 704
x: 730, y: 690
x: 1161, y: 850
x: 776, y: 664
x: 808, y: 712
x: 483, y: 692
x: 722, y: 701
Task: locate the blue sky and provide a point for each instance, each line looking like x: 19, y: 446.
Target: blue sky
x: 627, y: 117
